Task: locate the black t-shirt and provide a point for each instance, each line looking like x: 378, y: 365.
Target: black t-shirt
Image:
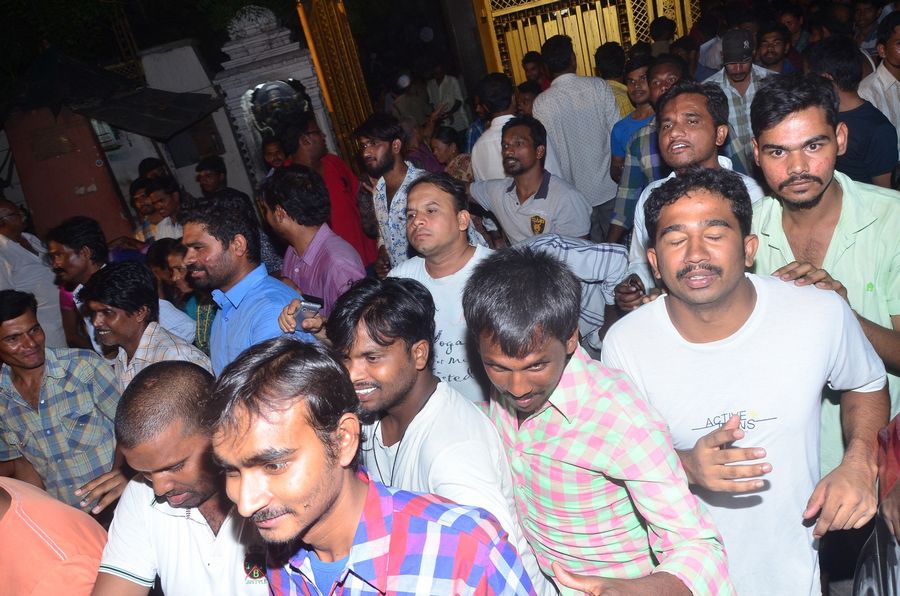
x: 871, y: 143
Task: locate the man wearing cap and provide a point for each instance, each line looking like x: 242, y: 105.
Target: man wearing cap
x: 739, y: 79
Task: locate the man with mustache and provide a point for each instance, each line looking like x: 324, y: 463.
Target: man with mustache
x: 285, y: 430
x: 531, y: 200
x: 223, y: 255
x: 820, y: 227
x: 735, y: 364
x: 174, y: 519
x: 693, y: 125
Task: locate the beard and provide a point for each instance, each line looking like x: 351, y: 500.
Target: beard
x: 381, y: 167
x: 804, y: 203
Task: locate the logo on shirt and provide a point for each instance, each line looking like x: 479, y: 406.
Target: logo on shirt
x: 749, y: 420
x: 538, y: 224
x: 254, y: 570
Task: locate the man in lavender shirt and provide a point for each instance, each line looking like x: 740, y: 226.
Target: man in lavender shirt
x: 319, y: 262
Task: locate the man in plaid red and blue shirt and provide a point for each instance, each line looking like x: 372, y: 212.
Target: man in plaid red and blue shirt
x: 285, y: 431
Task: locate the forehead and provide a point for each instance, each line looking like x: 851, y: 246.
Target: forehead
x: 491, y: 350
x: 637, y: 72
x: 54, y: 246
x: 423, y: 193
x: 698, y: 205
x: 168, y: 447
x: 798, y: 126
x: 26, y: 320
x: 664, y: 71
x: 194, y: 232
x: 363, y: 341
x: 685, y: 102
x: 771, y: 36
x: 95, y: 306
x: 252, y: 434
x: 519, y: 131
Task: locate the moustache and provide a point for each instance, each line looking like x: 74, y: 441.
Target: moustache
x: 269, y: 513
x: 800, y: 178
x: 691, y: 268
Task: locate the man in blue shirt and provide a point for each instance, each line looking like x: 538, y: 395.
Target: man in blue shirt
x: 222, y: 239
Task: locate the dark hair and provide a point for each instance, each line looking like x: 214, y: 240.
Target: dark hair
x: 446, y: 135
x: 791, y: 9
x: 158, y: 253
x: 529, y: 87
x: 82, y: 232
x: 662, y: 28
x: 610, y: 60
x: 557, y: 53
x: 300, y: 192
x: 640, y: 48
x: 127, y: 285
x: 212, y: 163
x: 14, y: 304
x: 518, y: 297
x: 716, y: 101
x: 495, y: 92
x: 780, y: 96
x: 720, y: 181
x: 225, y: 214
x: 838, y: 57
x: 886, y: 27
x: 138, y: 184
x: 167, y: 184
x: 685, y: 43
x: 271, y: 140
x: 159, y: 395
x: 446, y: 183
x: 637, y: 62
x: 773, y: 27
x: 277, y: 374
x: 148, y: 164
x: 392, y: 308
x: 381, y: 127
x: 669, y: 60
x: 289, y: 133
x: 532, y: 57
x: 538, y: 132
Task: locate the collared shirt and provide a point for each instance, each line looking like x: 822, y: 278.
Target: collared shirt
x: 599, y: 268
x: 487, y: 153
x: 473, y: 133
x: 26, y: 271
x: 882, y: 90
x: 413, y: 544
x: 637, y: 252
x: 739, y: 113
x: 643, y: 164
x: 145, y: 231
x: 69, y: 437
x: 248, y: 314
x: 149, y: 538
x: 392, y: 216
x: 345, y: 219
x: 599, y: 486
x: 556, y: 207
x: 620, y: 92
x: 327, y: 268
x: 864, y: 256
x: 156, y: 345
x: 448, y: 92
x: 168, y: 228
x: 579, y: 113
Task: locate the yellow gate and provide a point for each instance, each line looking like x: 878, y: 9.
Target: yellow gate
x: 510, y: 28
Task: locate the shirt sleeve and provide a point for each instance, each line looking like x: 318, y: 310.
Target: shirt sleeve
x: 680, y: 531
x: 129, y: 551
x: 855, y: 366
x: 637, y: 250
x: 479, y: 192
x: 265, y: 324
x: 504, y: 572
x: 573, y: 216
x: 75, y: 575
x: 105, y: 389
x: 630, y: 184
x: 175, y: 321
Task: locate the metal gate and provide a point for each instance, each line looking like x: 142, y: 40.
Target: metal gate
x: 510, y: 28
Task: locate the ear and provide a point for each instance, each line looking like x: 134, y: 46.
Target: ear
x: 881, y: 50
x: 463, y: 219
x: 396, y: 146
x: 141, y: 314
x: 420, y: 351
x: 755, y: 150
x: 347, y: 436
x: 572, y: 343
x: 840, y: 134
x: 84, y: 252
x: 751, y: 245
x: 721, y: 134
x: 541, y: 151
x: 238, y: 245
x: 280, y: 213
x: 651, y: 258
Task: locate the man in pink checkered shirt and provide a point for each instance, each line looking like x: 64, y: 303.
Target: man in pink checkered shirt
x: 602, y: 497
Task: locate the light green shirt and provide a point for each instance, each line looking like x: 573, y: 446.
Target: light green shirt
x: 864, y: 255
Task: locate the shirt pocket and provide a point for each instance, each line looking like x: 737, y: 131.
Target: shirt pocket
x: 84, y: 426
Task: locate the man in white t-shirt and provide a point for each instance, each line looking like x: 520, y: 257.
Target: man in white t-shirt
x: 692, y: 119
x: 174, y: 519
x: 735, y: 363
x: 419, y: 434
x: 436, y: 222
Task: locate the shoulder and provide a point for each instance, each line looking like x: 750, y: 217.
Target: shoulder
x: 83, y: 364
x: 559, y: 186
x: 634, y: 327
x: 444, y: 518
x: 497, y: 186
x: 411, y: 268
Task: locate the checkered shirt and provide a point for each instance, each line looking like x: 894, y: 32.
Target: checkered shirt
x: 392, y: 216
x: 741, y: 132
x: 156, y: 345
x: 600, y: 489
x: 407, y: 543
x: 69, y: 438
x: 643, y: 165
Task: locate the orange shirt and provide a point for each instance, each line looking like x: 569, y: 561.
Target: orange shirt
x: 46, y: 546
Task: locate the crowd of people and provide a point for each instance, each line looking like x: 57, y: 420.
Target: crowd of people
x: 633, y: 333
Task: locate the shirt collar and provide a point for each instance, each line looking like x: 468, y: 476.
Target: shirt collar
x: 561, y: 78
x: 142, y: 347
x: 885, y: 76
x: 567, y: 396
x: 236, y: 294
x: 540, y: 193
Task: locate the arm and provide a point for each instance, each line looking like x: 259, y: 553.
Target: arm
x: 846, y: 497
x: 660, y: 584
x: 105, y: 489
x: 24, y: 471
x: 113, y: 585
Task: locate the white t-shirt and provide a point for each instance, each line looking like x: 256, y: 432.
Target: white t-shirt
x: 451, y: 353
x: 147, y: 538
x: 637, y: 252
x: 770, y: 372
x: 168, y: 228
x: 452, y: 450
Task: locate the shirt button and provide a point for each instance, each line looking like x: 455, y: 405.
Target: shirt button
x: 47, y: 431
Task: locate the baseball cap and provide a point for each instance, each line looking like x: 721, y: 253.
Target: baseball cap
x: 737, y: 46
